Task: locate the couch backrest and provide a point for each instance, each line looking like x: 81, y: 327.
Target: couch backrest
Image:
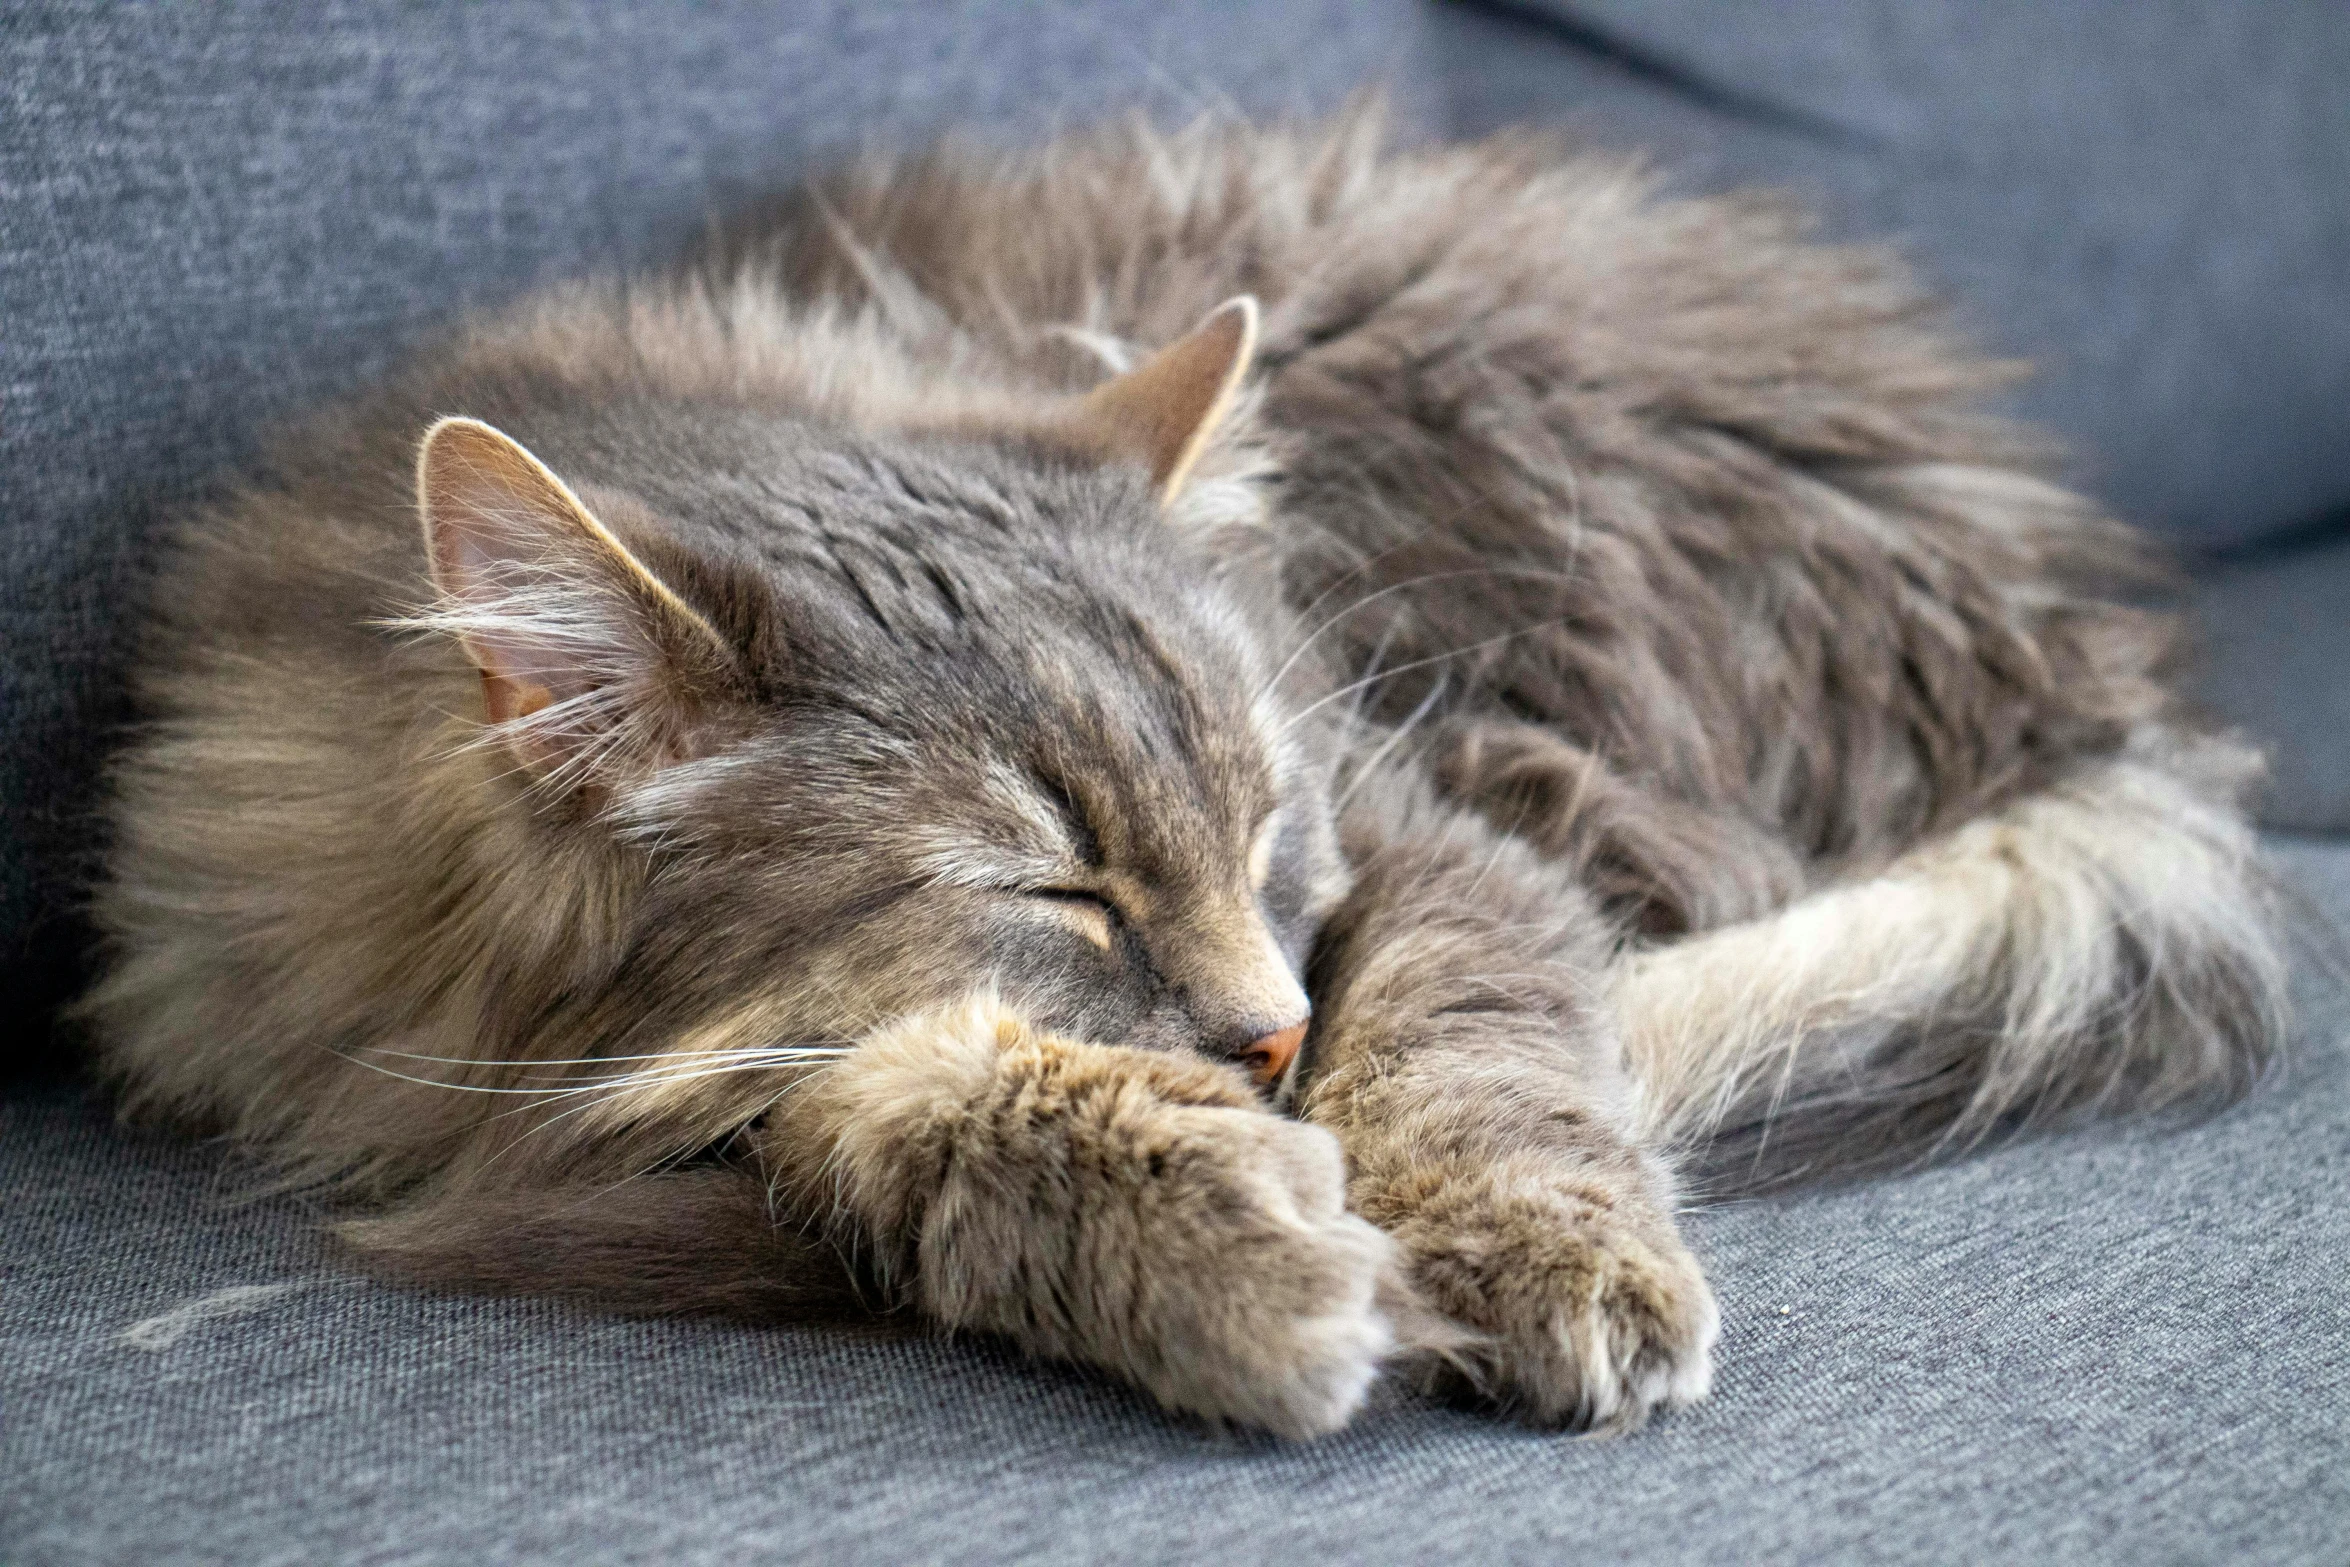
x: 2150, y: 199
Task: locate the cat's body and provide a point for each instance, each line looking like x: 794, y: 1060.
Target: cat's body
x: 1601, y: 663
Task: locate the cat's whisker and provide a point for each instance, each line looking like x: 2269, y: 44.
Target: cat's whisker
x: 502, y: 1061
x: 467, y: 1088
x: 611, y: 1091
x: 1306, y: 643
x: 1405, y: 668
x: 1501, y: 846
x: 531, y: 1061
x: 1370, y: 765
x: 1426, y: 579
x: 689, y: 1067
x: 1351, y: 730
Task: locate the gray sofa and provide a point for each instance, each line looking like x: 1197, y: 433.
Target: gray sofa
x: 2127, y: 1345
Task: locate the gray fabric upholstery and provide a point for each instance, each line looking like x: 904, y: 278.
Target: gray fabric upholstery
x: 2150, y: 198
x: 2276, y: 661
x: 2128, y: 1345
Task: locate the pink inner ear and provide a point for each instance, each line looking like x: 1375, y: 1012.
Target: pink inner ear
x: 535, y: 588
x: 524, y: 622
x: 1166, y: 410
x: 508, y: 700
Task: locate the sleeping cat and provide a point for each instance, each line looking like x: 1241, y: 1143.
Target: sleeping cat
x: 1235, y: 756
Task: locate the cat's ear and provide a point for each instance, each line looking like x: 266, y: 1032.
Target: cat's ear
x: 1167, y: 409
x: 588, y: 660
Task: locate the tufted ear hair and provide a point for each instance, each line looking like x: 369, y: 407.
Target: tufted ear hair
x: 1166, y: 410
x: 589, y: 662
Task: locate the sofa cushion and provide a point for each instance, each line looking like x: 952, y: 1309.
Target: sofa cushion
x: 2124, y: 1345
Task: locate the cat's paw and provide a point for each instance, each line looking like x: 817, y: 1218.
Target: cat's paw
x: 1256, y: 1296
x: 1586, y: 1309
x: 1138, y: 1211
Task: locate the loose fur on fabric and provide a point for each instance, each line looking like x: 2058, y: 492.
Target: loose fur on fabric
x: 836, y: 777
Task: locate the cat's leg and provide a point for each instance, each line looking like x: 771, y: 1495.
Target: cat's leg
x: 1135, y: 1211
x: 1654, y: 863
x: 1464, y: 1055
x: 705, y: 1241
x: 1140, y: 1212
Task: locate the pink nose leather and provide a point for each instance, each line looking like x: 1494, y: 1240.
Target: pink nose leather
x: 1270, y: 1056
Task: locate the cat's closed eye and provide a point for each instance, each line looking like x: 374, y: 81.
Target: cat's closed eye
x: 1093, y: 916
x: 1260, y: 853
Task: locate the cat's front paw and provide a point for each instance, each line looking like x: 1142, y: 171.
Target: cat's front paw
x: 1254, y: 1296
x: 1587, y: 1310
x: 1138, y: 1211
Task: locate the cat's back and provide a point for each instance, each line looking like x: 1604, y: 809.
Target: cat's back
x: 1718, y: 502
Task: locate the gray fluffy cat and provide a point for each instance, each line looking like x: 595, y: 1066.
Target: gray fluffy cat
x: 1234, y: 756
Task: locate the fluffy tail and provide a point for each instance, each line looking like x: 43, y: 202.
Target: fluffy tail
x: 2109, y: 943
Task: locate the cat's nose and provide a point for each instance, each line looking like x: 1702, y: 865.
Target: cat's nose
x: 1267, y: 1058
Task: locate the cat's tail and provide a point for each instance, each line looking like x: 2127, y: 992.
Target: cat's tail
x: 2107, y: 943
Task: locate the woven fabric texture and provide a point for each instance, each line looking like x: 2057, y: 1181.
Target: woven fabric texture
x: 2129, y: 1345
x: 2148, y: 199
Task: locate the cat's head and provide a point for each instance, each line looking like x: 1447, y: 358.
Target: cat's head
x: 893, y: 718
